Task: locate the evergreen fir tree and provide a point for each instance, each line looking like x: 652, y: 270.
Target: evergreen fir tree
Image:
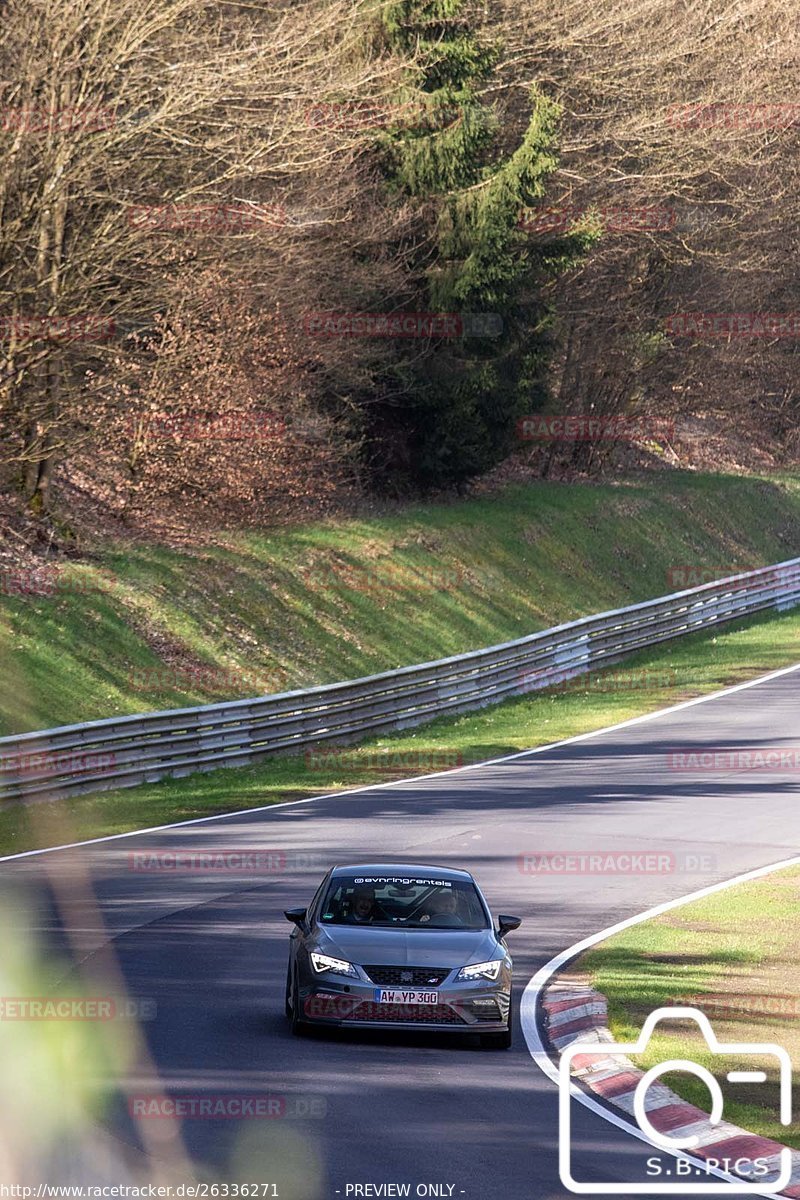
x: 461, y: 398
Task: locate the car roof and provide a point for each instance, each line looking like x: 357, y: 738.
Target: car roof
x: 420, y: 870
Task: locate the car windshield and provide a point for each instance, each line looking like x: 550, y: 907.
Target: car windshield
x: 402, y: 901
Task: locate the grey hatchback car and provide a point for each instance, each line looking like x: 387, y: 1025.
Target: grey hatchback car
x: 400, y: 946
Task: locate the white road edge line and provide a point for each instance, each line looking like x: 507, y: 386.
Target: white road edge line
x: 374, y: 787
x: 536, y: 985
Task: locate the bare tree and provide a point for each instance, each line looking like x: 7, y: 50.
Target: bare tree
x: 138, y: 140
x: 688, y: 112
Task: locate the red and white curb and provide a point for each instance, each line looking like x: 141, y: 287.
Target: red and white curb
x: 574, y: 1013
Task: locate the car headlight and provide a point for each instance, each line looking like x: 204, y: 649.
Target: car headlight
x: 487, y: 970
x: 324, y: 962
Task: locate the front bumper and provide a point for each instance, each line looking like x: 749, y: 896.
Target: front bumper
x: 474, y: 1007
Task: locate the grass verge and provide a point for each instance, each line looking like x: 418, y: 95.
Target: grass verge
x: 137, y: 626
x: 685, y: 668
x: 733, y: 955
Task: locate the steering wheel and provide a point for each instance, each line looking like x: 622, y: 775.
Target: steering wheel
x: 420, y: 903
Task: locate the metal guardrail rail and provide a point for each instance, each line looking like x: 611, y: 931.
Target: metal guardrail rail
x: 126, y: 751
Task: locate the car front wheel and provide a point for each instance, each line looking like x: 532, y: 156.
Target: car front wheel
x: 500, y: 1041
x: 299, y: 1028
x: 497, y: 1041
x: 287, y: 1007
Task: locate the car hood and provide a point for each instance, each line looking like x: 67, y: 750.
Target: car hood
x: 407, y: 947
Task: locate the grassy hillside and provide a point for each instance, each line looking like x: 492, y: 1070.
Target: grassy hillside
x: 140, y: 626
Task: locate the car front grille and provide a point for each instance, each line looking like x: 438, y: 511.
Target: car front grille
x: 408, y: 976
x: 409, y: 1014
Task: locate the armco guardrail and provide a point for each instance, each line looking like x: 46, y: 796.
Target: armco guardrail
x: 125, y: 751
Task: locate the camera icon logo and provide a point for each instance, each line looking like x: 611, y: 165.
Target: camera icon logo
x: 689, y: 1138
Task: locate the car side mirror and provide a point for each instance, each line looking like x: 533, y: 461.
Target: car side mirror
x: 507, y: 924
x: 298, y: 917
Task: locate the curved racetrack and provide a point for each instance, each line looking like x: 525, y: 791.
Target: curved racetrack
x: 210, y: 949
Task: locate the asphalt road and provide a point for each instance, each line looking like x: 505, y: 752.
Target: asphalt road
x: 209, y: 949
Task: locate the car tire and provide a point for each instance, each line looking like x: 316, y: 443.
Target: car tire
x: 497, y: 1041
x: 299, y: 1028
x: 287, y: 1006
x: 500, y: 1041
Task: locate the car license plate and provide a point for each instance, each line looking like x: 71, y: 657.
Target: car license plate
x: 400, y: 996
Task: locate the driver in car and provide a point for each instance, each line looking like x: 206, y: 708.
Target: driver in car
x: 443, y: 909
x: 365, y: 908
